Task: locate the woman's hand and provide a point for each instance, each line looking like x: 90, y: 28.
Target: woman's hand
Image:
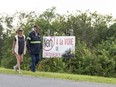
x: 13, y: 52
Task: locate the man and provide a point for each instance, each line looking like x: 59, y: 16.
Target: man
x: 34, y: 47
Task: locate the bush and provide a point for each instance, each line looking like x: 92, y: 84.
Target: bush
x: 52, y: 65
x: 95, y: 42
x: 8, y: 60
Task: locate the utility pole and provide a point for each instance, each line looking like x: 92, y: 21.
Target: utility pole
x: 71, y: 33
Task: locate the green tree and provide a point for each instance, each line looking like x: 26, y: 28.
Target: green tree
x: 1, y: 41
x: 95, y: 41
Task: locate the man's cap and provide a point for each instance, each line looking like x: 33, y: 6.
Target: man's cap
x: 37, y: 27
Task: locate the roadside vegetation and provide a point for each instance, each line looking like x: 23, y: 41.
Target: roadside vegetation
x: 95, y: 42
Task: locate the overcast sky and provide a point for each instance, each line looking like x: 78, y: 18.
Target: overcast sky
x: 62, y: 6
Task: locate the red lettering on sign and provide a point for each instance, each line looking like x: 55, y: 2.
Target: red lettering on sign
x: 68, y: 41
x: 57, y: 41
x: 52, y: 54
x: 61, y: 42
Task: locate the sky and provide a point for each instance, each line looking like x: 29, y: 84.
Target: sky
x: 62, y: 6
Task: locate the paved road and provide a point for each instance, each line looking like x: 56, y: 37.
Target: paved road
x: 24, y: 81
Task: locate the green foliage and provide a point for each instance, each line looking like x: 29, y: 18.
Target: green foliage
x: 95, y: 41
x: 26, y: 62
x: 8, y: 60
x: 53, y: 65
x: 2, y: 37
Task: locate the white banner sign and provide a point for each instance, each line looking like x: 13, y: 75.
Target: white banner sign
x: 58, y: 46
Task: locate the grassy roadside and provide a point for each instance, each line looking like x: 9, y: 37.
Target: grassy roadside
x: 63, y: 76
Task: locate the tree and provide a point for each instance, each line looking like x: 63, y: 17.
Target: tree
x: 1, y: 42
x: 95, y: 41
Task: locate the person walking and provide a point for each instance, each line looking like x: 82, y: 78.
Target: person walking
x: 19, y: 48
x: 34, y: 47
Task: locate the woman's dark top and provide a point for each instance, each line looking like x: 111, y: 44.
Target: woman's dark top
x: 20, y: 45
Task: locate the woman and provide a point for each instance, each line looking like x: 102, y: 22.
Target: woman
x: 19, y: 48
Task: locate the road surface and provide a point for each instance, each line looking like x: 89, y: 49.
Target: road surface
x: 26, y: 81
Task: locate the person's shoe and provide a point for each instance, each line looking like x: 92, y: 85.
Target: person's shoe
x: 15, y: 68
x: 20, y: 72
x: 33, y: 70
x: 30, y: 67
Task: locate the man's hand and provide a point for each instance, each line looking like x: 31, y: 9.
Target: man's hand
x: 28, y: 51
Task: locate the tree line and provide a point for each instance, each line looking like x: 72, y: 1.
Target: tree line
x: 95, y: 40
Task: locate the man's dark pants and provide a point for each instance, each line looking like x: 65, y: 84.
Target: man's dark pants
x: 34, y: 61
